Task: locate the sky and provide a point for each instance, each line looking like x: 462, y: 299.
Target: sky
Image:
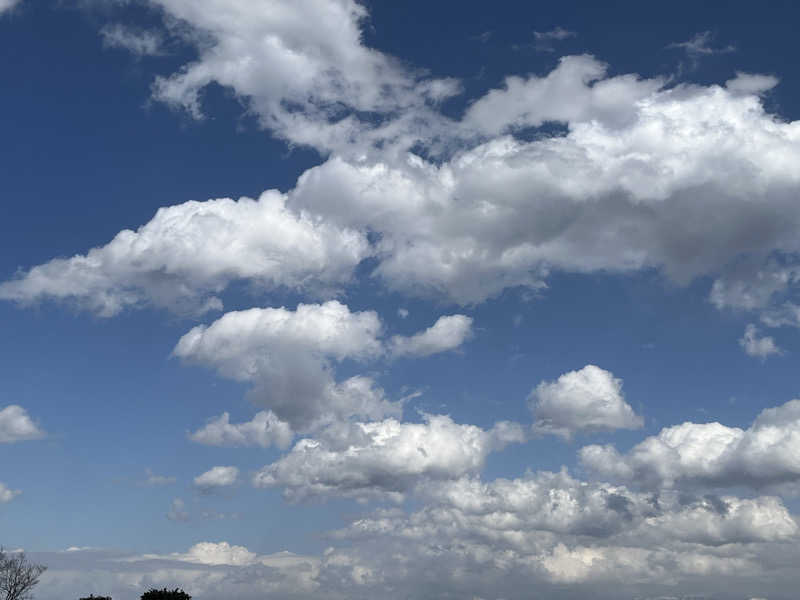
x: 337, y: 299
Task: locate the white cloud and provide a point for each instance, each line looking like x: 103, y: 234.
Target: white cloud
x: 189, y: 252
x: 216, y: 477
x: 384, y: 458
x: 16, y: 425
x: 138, y: 42
x: 7, y: 5
x: 306, y: 83
x: 760, y: 347
x: 288, y: 356
x: 590, y: 399
x: 751, y: 83
x: 448, y: 333
x: 265, y: 429
x: 177, y: 511
x: 7, y: 494
x: 709, y: 454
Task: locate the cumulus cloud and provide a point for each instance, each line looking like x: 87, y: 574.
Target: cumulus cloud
x: 189, y: 252
x: 309, y: 85
x: 751, y: 83
x: 265, y: 429
x: 7, y: 494
x: 216, y: 477
x: 448, y: 333
x: 709, y: 454
x: 16, y: 425
x: 495, y: 212
x: 384, y: 458
x: 288, y: 356
x: 760, y: 347
x: 587, y: 400
x: 137, y: 42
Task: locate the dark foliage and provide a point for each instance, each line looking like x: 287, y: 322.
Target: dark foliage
x: 93, y: 597
x: 165, y: 594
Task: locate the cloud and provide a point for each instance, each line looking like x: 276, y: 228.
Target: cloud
x: 751, y: 83
x: 17, y: 426
x: 189, y: 252
x: 384, y: 459
x: 545, y: 39
x: 177, y: 511
x: 709, y: 454
x: 448, y: 333
x: 495, y: 212
x: 288, y: 356
x: 759, y: 347
x: 700, y: 44
x: 7, y: 5
x: 7, y: 494
x: 138, y: 42
x: 154, y: 480
x: 309, y: 85
x: 582, y: 401
x: 265, y: 429
x: 216, y: 477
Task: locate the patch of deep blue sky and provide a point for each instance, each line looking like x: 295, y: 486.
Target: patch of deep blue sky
x: 85, y: 154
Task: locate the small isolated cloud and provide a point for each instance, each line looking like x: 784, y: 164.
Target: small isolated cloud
x: 177, y: 511
x: 216, y: 477
x: 265, y: 430
x: 759, y: 347
x: 544, y: 39
x: 751, y: 83
x: 402, y: 313
x: 6, y: 494
x: 154, y: 480
x: 137, y: 42
x: 448, y: 333
x: 700, y: 45
x: 16, y: 425
x: 588, y: 400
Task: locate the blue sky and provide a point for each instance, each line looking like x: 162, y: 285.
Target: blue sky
x: 335, y: 299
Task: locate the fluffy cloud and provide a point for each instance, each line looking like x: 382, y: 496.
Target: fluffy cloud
x: 216, y: 477
x: 760, y: 347
x: 586, y: 400
x: 495, y: 212
x: 16, y: 425
x: 7, y: 494
x: 189, y: 252
x: 384, y: 458
x: 265, y: 429
x: 310, y: 85
x: 709, y: 454
x: 288, y: 357
x: 447, y: 333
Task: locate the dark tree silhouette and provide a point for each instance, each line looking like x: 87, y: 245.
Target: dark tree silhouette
x: 18, y: 576
x: 165, y: 594
x: 93, y: 597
